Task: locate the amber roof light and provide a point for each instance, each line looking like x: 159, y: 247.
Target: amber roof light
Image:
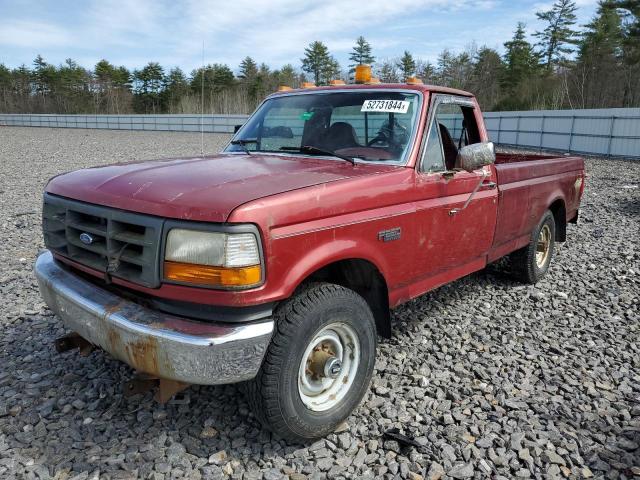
x: 363, y: 74
x: 414, y: 81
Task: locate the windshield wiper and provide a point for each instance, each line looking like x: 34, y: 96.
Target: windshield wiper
x: 243, y: 144
x: 320, y: 151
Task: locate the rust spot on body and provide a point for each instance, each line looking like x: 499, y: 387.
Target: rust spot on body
x: 113, y: 308
x: 114, y: 339
x: 143, y: 355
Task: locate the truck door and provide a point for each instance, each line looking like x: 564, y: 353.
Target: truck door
x: 450, y: 239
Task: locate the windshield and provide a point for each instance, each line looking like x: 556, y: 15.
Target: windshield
x: 363, y: 125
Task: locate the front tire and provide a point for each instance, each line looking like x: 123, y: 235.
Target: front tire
x: 531, y: 263
x: 318, y: 365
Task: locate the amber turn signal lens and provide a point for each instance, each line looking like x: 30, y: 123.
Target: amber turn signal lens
x: 212, y: 276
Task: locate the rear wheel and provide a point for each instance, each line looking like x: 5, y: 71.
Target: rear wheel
x: 318, y: 365
x: 531, y: 263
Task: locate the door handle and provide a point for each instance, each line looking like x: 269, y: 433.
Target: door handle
x: 489, y: 185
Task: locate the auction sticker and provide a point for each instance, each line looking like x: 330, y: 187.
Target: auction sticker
x: 387, y: 106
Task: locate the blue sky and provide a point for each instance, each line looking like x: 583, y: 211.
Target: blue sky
x: 134, y: 32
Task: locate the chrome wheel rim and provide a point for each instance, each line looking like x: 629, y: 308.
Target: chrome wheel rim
x: 543, y: 246
x: 328, y: 367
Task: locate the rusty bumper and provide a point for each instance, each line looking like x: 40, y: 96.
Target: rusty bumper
x: 150, y: 341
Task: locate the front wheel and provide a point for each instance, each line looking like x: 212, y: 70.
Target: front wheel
x: 318, y: 365
x: 531, y: 263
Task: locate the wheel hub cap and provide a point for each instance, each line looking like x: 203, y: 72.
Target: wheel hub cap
x: 332, y: 367
x: 543, y: 247
x: 328, y: 366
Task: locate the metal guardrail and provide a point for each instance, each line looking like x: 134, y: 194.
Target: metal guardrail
x: 610, y: 132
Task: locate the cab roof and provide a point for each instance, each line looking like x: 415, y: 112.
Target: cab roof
x: 379, y: 86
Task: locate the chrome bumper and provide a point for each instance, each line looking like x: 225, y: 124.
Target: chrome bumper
x: 150, y: 341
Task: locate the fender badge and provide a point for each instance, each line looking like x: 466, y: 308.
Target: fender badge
x: 389, y: 235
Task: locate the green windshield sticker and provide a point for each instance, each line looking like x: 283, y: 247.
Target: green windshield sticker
x: 306, y: 116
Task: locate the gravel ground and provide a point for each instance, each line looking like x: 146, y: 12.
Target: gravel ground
x: 491, y: 378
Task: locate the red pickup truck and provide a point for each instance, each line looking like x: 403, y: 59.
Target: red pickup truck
x: 277, y: 262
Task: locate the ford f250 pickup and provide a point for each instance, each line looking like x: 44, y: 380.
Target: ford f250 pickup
x: 278, y: 261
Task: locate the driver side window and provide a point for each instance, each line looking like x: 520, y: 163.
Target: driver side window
x: 453, y: 127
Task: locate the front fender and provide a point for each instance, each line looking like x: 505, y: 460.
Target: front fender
x: 308, y: 261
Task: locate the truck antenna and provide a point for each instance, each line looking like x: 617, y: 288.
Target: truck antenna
x: 202, y: 105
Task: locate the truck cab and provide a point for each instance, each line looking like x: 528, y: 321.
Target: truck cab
x: 278, y: 261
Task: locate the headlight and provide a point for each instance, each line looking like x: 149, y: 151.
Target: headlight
x: 224, y: 260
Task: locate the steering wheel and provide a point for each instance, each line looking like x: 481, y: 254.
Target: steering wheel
x: 394, y: 138
x: 381, y: 137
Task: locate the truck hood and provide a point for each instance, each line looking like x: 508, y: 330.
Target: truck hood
x: 204, y: 188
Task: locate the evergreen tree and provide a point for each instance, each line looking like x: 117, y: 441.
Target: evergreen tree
x: 455, y: 70
x: 557, y: 38
x: 407, y: 65
x: 217, y: 77
x: 43, y: 75
x: 330, y: 71
x: 104, y: 71
x: 361, y: 54
x: 387, y: 72
x: 520, y: 59
x: 149, y: 83
x: 603, y: 36
x: 485, y: 78
x: 600, y: 62
x: 631, y: 28
x: 177, y: 87
x: 426, y: 71
x: 287, y: 76
x: 248, y: 69
x: 317, y: 61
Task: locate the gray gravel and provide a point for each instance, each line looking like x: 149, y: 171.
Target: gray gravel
x: 491, y: 378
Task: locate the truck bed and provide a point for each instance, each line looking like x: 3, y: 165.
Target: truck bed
x: 528, y: 184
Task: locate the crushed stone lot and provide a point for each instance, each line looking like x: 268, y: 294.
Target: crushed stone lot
x: 491, y: 378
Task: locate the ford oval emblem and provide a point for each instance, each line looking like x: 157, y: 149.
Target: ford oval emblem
x: 86, y: 238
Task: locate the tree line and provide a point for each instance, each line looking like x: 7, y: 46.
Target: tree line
x: 567, y: 66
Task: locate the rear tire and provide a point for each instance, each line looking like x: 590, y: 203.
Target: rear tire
x: 531, y: 263
x: 318, y: 365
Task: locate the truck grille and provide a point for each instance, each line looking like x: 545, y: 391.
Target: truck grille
x: 124, y: 244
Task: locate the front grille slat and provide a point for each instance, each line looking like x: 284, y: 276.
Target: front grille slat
x: 87, y: 227
x: 124, y: 244
x: 128, y: 237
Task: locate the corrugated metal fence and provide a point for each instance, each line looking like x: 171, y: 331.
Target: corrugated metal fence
x: 610, y: 132
x: 170, y: 123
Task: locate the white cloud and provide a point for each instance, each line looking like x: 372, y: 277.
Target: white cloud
x: 33, y: 34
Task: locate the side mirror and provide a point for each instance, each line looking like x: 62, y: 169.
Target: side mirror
x: 236, y: 128
x: 475, y: 156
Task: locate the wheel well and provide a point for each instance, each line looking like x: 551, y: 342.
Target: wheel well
x: 364, y: 278
x: 560, y: 217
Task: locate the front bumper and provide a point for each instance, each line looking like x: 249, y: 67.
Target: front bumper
x: 151, y: 341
